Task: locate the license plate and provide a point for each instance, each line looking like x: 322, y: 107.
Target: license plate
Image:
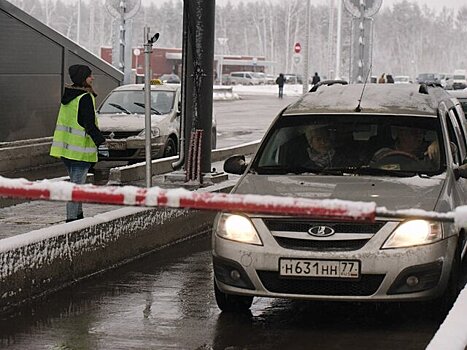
x: 116, y: 145
x: 319, y: 268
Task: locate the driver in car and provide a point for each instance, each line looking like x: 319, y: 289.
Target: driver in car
x: 410, y: 143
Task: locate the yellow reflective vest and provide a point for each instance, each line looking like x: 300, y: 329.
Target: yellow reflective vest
x: 70, y: 139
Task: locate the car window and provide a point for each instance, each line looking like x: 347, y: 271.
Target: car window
x: 394, y: 145
x: 132, y: 101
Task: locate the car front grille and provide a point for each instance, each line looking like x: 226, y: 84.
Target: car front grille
x: 365, y: 286
x: 318, y: 245
x: 119, y: 134
x: 321, y: 244
x: 292, y: 225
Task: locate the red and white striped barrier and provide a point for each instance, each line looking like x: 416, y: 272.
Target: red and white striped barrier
x: 181, y: 198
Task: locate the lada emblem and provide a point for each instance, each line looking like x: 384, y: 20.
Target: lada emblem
x: 321, y: 231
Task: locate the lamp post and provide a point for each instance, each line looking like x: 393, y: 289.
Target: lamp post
x: 148, y: 42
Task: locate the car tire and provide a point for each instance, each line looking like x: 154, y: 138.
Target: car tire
x: 444, y: 303
x: 232, y: 303
x: 170, y: 148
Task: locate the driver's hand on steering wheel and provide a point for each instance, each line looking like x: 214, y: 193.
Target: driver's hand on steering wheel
x: 433, y: 151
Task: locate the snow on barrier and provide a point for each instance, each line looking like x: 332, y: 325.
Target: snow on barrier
x: 249, y: 203
x: 181, y: 198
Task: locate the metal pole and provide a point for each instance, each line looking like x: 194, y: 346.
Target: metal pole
x: 338, y: 43
x: 147, y: 105
x: 307, y: 48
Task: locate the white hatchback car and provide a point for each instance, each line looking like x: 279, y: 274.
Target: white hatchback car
x: 328, y: 146
x: 121, y: 119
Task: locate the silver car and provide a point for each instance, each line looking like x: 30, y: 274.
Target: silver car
x: 121, y: 118
x: 400, y: 147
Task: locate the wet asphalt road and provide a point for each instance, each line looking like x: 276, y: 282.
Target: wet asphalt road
x: 166, y: 301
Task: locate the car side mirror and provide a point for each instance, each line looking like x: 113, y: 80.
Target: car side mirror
x: 235, y: 164
x: 461, y: 171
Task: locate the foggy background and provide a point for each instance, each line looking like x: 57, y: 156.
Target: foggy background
x: 410, y: 37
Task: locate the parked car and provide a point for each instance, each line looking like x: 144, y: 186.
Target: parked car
x: 244, y: 78
x: 402, y: 79
x: 427, y: 78
x: 391, y: 259
x: 448, y: 82
x: 170, y: 78
x: 121, y: 118
x: 270, y: 79
x: 461, y: 96
x: 293, y: 78
x: 459, y: 79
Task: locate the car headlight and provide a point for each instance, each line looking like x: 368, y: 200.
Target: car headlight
x: 413, y: 233
x: 155, y: 132
x: 237, y: 228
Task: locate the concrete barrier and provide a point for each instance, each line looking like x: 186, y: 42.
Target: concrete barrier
x: 39, y: 262
x: 25, y: 154
x: 136, y: 172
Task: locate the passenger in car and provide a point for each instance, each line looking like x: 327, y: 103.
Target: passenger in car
x: 321, y: 150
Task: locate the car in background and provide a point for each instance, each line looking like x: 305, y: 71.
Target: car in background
x: 402, y: 79
x: 459, y: 79
x: 170, y: 78
x: 270, y: 79
x: 427, y: 78
x: 390, y: 259
x: 293, y: 79
x: 448, y: 81
x: 461, y: 95
x: 121, y: 118
x: 244, y: 78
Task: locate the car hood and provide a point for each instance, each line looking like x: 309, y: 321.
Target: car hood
x: 126, y: 122
x: 393, y: 193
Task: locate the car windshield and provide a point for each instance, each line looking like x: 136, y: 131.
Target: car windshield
x: 341, y: 145
x: 132, y: 101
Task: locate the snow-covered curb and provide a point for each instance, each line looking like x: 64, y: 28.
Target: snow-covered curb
x: 452, y: 334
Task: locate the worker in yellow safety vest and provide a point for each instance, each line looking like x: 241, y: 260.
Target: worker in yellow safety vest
x: 77, y: 136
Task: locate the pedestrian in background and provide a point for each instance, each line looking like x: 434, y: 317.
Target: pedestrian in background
x: 280, y: 81
x: 77, y: 135
x: 389, y: 79
x: 382, y: 79
x: 316, y: 79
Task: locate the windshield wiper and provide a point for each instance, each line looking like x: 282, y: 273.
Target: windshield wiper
x: 123, y: 109
x: 282, y: 170
x: 379, y: 171
x: 152, y: 108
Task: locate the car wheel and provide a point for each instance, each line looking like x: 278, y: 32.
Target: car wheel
x: 443, y: 304
x: 230, y: 302
x: 170, y: 148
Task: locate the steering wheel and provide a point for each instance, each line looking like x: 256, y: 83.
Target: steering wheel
x: 396, y: 154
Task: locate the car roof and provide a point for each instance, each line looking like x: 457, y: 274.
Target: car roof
x: 162, y: 87
x: 401, y: 99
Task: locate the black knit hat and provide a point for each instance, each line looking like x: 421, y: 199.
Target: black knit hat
x: 79, y: 73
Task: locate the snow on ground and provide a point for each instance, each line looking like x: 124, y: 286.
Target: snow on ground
x: 228, y: 92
